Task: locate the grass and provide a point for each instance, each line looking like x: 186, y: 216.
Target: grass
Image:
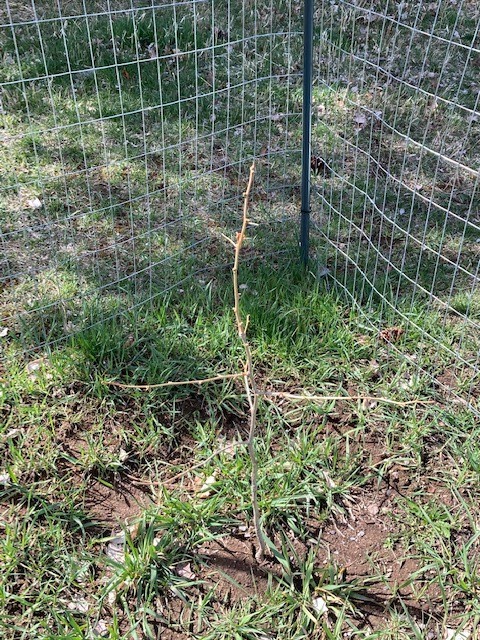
x: 123, y: 169
x: 67, y: 433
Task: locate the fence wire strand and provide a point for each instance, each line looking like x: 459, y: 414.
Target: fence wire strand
x: 128, y: 128
x: 397, y: 126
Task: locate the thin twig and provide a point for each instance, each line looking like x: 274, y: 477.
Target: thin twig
x: 227, y: 239
x: 249, y: 377
x: 298, y: 396
x: 147, y: 387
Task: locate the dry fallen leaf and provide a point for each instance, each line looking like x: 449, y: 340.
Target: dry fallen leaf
x: 34, y: 367
x: 453, y: 634
x: 184, y: 570
x: 320, y: 605
x: 205, y: 489
x: 3, y: 332
x: 79, y: 604
x: 152, y: 50
x: 130, y: 340
x: 329, y: 482
x: 34, y: 204
x: 368, y: 403
x: 391, y: 334
x: 116, y: 548
x: 360, y: 120
x: 230, y: 449
x: 12, y: 433
x: 244, y: 529
x: 4, y: 479
x: 100, y: 630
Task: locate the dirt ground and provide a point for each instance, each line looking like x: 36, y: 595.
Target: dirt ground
x: 362, y: 545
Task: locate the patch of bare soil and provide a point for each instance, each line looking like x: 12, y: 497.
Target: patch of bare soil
x: 363, y: 549
x: 362, y: 546
x: 117, y: 504
x: 231, y: 567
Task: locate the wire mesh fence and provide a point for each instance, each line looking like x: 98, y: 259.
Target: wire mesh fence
x: 128, y: 130
x: 396, y: 132
x: 128, y: 127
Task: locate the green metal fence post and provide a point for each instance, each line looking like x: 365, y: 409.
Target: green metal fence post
x: 307, y: 128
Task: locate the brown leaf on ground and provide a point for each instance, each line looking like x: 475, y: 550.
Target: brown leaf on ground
x: 184, y: 570
x: 391, y: 334
x: 205, y: 490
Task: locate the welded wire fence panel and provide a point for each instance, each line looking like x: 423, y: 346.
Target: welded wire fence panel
x: 127, y: 131
x: 396, y: 134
